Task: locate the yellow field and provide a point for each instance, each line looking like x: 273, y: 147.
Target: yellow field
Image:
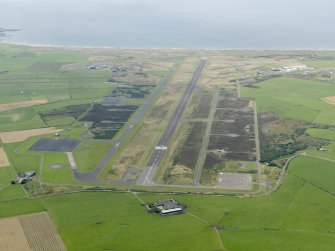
x: 11, y: 106
x: 13, y: 117
x: 30, y: 232
x: 329, y: 100
x: 18, y: 136
x: 12, y: 237
x: 3, y: 158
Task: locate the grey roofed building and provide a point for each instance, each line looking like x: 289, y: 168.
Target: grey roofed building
x: 168, y: 206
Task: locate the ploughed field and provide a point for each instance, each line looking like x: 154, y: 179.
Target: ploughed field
x: 30, y: 232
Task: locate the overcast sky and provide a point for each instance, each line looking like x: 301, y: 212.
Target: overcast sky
x: 284, y: 21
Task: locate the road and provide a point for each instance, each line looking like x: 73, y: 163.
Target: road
x: 150, y: 170
x: 311, y: 155
x: 258, y: 153
x: 92, y: 176
x: 205, y: 142
x: 71, y: 160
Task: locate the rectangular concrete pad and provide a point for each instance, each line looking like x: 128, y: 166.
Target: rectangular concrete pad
x: 55, y: 145
x: 235, y: 181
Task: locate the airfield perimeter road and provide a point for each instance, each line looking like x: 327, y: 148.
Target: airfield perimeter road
x: 205, y: 142
x: 150, y: 170
x: 92, y: 176
x: 258, y: 152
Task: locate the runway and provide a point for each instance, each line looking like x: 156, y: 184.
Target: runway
x: 150, y: 170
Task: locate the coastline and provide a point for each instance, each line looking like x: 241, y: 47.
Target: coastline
x: 55, y: 46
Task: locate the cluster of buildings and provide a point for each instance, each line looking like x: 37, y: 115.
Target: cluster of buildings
x: 117, y: 68
x: 23, y: 178
x: 292, y: 68
x: 97, y: 66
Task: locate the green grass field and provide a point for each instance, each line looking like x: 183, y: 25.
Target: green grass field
x: 329, y: 152
x: 294, y: 98
x: 299, y: 216
x: 315, y: 171
x: 88, y: 154
x: 62, y: 175
x: 321, y: 133
x: 8, y: 191
x: 118, y: 218
x: 330, y: 64
x: 263, y: 240
x: 22, y: 160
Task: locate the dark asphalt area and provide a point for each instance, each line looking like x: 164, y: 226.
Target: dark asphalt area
x: 55, y: 145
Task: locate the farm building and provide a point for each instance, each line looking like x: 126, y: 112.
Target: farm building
x: 23, y: 178
x: 168, y: 206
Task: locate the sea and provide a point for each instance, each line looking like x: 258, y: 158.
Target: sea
x: 210, y: 24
